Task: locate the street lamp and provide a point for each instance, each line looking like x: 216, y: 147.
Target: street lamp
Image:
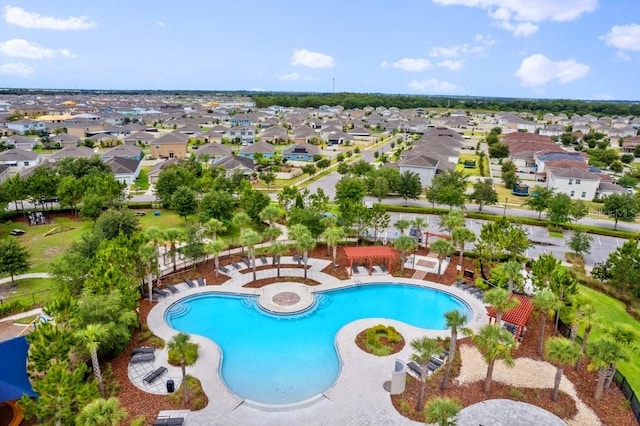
x: 504, y: 212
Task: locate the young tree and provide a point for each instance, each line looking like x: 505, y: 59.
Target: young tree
x: 603, y: 353
x: 626, y: 336
x: 460, y: 237
x: 409, y: 186
x: 268, y: 178
x: 350, y: 189
x: 91, y: 336
x: 14, y: 258
x: 545, y: 303
x: 560, y: 209
x: 380, y: 188
x: 213, y: 227
x: 539, y: 200
x: 580, y: 242
x: 271, y: 214
x: 215, y: 247
x: 564, y: 284
x: 379, y: 219
x: 509, y: 174
x: 101, y: 412
x: 180, y: 345
x: 249, y: 239
x: 542, y: 269
x: 452, y: 220
x: 562, y: 352
x: 423, y: 350
x: 402, y: 225
x: 513, y: 271
x: 305, y: 242
x: 173, y: 236
x: 278, y: 249
x: 450, y: 187
x: 589, y: 319
x: 483, y: 194
x: 454, y: 321
x: 622, y: 207
x: 184, y: 202
x: 404, y: 244
x: 442, y: 248
x: 419, y: 223
x: 442, y: 411
x: 495, y: 342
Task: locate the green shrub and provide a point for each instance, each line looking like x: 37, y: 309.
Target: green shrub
x: 138, y: 421
x: 13, y: 307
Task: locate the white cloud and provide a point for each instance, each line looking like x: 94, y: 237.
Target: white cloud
x: 521, y: 17
x: 22, y: 18
x: 160, y: 24
x: 310, y: 59
x: 538, y: 70
x: 432, y: 85
x: 408, y: 64
x: 624, y: 37
x: 482, y: 44
x: 450, y: 65
x: 25, y: 49
x: 16, y: 68
x: 294, y: 76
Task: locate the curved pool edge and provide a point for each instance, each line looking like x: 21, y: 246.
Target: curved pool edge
x: 222, y: 401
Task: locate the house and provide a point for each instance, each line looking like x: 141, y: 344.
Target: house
x: 26, y: 125
x: 551, y: 130
x: 18, y: 141
x: 339, y: 138
x: 274, y: 135
x: 126, y: 151
x: 139, y: 138
x: 104, y: 139
x: 215, y: 134
x: 301, y: 152
x: 421, y: 164
x: 577, y: 183
x: 17, y: 157
x: 235, y: 164
x: 607, y: 188
x: 213, y: 150
x: 125, y: 170
x: 303, y: 134
x: 5, y: 170
x: 64, y: 140
x: 72, y: 152
x: 266, y: 149
x: 153, y: 174
x: 171, y: 145
x: 242, y: 134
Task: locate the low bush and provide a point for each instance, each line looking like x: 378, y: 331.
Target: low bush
x: 381, y: 340
x: 13, y: 307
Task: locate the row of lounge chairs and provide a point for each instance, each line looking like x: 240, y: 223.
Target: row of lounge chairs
x: 477, y: 292
x: 199, y: 282
x: 356, y: 268
x: 433, y: 365
x: 168, y: 421
x: 142, y: 354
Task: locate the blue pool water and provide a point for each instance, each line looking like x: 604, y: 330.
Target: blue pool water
x: 286, y: 359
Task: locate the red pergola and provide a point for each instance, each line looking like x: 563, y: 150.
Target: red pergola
x: 430, y: 234
x: 518, y: 316
x: 370, y: 253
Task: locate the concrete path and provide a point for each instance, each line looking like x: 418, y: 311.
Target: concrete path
x: 505, y: 412
x: 25, y: 277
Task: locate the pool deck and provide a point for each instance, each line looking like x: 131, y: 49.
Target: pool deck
x: 356, y: 398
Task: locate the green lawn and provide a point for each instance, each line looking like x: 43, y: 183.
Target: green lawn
x: 476, y: 170
x: 556, y: 234
x: 33, y: 291
x: 611, y: 311
x: 167, y: 219
x: 142, y: 183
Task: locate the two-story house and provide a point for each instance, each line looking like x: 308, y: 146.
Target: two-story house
x: 171, y: 145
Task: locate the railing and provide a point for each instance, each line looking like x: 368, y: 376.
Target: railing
x: 619, y: 379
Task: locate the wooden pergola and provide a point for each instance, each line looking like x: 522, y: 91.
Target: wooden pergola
x: 518, y: 316
x: 368, y: 254
x: 430, y: 234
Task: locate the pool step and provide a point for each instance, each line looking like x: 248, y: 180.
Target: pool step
x: 178, y: 310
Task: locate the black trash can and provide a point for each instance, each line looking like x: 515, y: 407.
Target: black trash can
x: 171, y: 387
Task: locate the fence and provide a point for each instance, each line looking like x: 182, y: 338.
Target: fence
x: 24, y: 299
x: 619, y: 379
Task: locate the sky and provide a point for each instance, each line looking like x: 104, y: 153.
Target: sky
x: 569, y: 49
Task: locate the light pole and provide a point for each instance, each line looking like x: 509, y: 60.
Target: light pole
x: 504, y: 212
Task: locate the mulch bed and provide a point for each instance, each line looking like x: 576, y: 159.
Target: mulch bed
x: 266, y: 281
x: 270, y: 266
x: 361, y: 343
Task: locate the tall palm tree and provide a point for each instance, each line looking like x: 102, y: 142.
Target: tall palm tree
x: 402, y: 225
x: 627, y: 337
x: 101, y: 412
x: 333, y: 236
x: 460, y: 237
x: 454, y: 321
x: 452, y: 220
x: 590, y: 318
x: 512, y: 270
x: 216, y: 247
x: 180, y: 345
x: 213, y: 227
x: 501, y: 300
x: 423, y: 349
x: 305, y: 242
x: 91, y: 336
x: 278, y: 249
x: 271, y: 214
x: 604, y: 353
x: 562, y: 352
x: 545, y: 302
x: 272, y: 233
x: 294, y: 232
x: 241, y: 220
x: 404, y: 244
x: 250, y: 238
x: 173, y: 236
x: 442, y: 411
x: 156, y: 236
x: 495, y: 342
x: 442, y: 248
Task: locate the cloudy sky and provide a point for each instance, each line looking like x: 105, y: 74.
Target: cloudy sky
x: 579, y: 49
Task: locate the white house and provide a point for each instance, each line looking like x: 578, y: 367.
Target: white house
x: 424, y: 166
x: 577, y: 183
x: 19, y: 158
x: 22, y: 126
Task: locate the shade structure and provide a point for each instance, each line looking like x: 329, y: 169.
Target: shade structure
x: 518, y: 316
x: 369, y: 254
x: 14, y: 380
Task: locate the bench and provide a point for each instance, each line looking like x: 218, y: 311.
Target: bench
x: 223, y: 269
x: 151, y: 377
x: 143, y: 357
x: 170, y: 421
x: 143, y: 350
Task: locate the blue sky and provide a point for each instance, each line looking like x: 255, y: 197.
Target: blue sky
x: 578, y: 49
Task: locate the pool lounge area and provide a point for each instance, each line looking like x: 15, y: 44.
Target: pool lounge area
x: 356, y: 395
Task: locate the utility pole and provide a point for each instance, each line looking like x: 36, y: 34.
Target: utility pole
x: 334, y: 85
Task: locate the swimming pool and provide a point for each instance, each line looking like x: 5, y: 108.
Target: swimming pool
x: 274, y: 359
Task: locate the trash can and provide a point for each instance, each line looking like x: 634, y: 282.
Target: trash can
x: 398, y: 377
x: 171, y: 387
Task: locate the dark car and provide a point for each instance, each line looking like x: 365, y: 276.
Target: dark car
x: 17, y: 232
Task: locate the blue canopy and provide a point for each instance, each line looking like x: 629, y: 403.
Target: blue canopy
x: 14, y: 381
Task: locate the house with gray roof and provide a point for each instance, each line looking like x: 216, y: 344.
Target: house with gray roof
x: 301, y: 152
x: 266, y: 149
x: 577, y: 183
x: 65, y: 140
x: 125, y: 170
x: 233, y: 164
x: 72, y: 152
x: 139, y: 138
x: 5, y: 172
x: 213, y: 150
x: 125, y: 151
x: 425, y: 166
x: 17, y: 157
x: 19, y: 141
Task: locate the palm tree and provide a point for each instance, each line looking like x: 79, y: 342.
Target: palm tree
x: 424, y: 349
x: 495, y: 342
x: 305, y: 242
x: 101, y: 412
x: 454, y: 320
x: 216, y: 247
x: 442, y: 248
x: 501, y: 300
x: 91, y: 336
x: 213, y: 227
x: 404, y: 244
x: 155, y: 235
x: 546, y: 302
x: 512, y: 270
x: 272, y: 233
x: 419, y: 223
x: 271, y: 214
x: 604, y: 353
x: 172, y: 236
x: 562, y: 352
x: 452, y: 220
x: 626, y: 336
x: 460, y: 237
x: 333, y: 236
x: 148, y: 254
x: 180, y: 345
x: 402, y: 225
x: 295, y: 231
x: 278, y: 249
x: 242, y: 220
x: 442, y: 411
x: 590, y: 318
x: 250, y: 238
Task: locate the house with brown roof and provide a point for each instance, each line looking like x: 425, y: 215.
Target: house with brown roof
x: 170, y: 145
x: 213, y: 150
x: 235, y: 164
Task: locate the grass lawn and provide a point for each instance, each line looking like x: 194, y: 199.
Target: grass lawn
x: 512, y: 200
x: 142, y: 183
x: 33, y: 291
x: 611, y: 311
x: 556, y: 234
x: 476, y: 170
x: 167, y: 219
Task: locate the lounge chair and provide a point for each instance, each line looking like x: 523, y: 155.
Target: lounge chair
x: 246, y: 261
x: 437, y: 361
x: 383, y: 268
x: 160, y: 292
x: 137, y: 358
x: 432, y: 367
x: 416, y: 368
x: 355, y: 269
x: 143, y: 350
x: 223, y: 269
x: 190, y: 283
x: 201, y: 282
x: 171, y: 421
x: 263, y: 259
x: 460, y: 283
x: 172, y: 288
x: 151, y: 377
x: 236, y: 265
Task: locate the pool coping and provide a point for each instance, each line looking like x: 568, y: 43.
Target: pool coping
x: 350, y: 386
